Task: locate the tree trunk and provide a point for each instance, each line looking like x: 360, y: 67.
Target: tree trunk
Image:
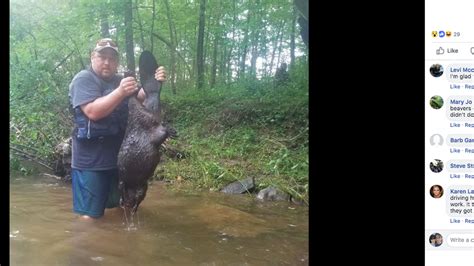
x: 129, y: 36
x: 214, y: 61
x: 303, y: 8
x: 190, y: 57
x: 292, y: 40
x: 173, y: 48
x: 245, y: 46
x: 255, y: 40
x: 253, y: 61
x: 153, y: 14
x: 140, y: 26
x: 205, y: 68
x: 174, y: 55
x: 200, y: 46
x: 280, y: 44
x: 229, y: 64
x: 254, y: 53
x: 216, y: 44
x: 246, y: 41
x: 228, y: 58
x: 104, y: 26
x: 275, y: 46
x: 222, y: 65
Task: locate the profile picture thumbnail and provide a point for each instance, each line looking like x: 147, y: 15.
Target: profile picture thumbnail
x: 436, y: 102
x: 436, y: 70
x: 436, y: 139
x: 436, y: 166
x: 436, y: 191
x: 436, y: 239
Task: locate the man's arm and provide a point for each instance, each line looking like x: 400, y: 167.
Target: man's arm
x: 104, y: 106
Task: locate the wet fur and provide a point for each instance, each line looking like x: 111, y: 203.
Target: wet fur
x: 140, y: 154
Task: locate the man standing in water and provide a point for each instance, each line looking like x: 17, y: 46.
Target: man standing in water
x: 99, y: 99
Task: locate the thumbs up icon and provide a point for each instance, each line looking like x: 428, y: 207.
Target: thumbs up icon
x: 440, y: 51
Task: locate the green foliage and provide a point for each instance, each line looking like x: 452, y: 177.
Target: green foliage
x: 231, y: 133
x: 15, y: 164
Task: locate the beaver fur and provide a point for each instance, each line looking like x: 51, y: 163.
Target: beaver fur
x: 140, y: 151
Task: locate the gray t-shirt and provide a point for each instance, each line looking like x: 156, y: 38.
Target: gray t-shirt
x: 93, y: 154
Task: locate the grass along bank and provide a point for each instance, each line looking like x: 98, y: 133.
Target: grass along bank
x: 247, y: 129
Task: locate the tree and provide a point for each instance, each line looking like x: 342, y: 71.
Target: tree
x: 302, y: 6
x: 129, y: 35
x: 200, y: 46
x: 104, y: 26
x: 255, y: 39
x: 172, y: 46
x: 292, y: 39
x: 245, y: 41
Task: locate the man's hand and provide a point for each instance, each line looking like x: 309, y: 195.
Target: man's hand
x: 128, y: 86
x: 105, y: 105
x: 160, y: 74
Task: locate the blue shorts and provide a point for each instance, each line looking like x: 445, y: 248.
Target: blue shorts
x: 93, y: 191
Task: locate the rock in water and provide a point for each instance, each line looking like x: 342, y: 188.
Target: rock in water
x: 271, y: 193
x: 239, y: 187
x: 139, y: 154
x: 63, y: 152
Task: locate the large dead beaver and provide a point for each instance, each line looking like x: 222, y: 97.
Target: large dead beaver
x: 139, y: 154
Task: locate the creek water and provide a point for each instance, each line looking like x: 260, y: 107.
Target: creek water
x: 175, y: 228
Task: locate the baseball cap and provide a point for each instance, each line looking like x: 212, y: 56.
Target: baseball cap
x: 105, y: 43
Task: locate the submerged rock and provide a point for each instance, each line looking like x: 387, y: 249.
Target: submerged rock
x: 298, y: 201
